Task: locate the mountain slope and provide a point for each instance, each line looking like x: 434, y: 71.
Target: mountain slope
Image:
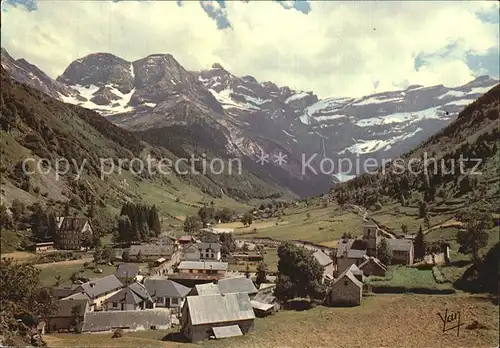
x: 34, y: 125
x: 241, y: 117
x: 474, y: 137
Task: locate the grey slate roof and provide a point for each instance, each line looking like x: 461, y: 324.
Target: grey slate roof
x: 261, y: 305
x: 374, y: 260
x: 148, y: 250
x: 163, y: 287
x: 133, y: 294
x: 207, y: 289
x: 400, y: 244
x: 356, y: 254
x: 344, y: 245
x: 236, y: 284
x: 139, y: 319
x: 323, y: 259
x: 127, y: 270
x: 77, y: 296
x: 349, y: 273
x: 63, y: 291
x: 96, y: 287
x: 264, y: 298
x: 214, y: 246
x: 203, y: 265
x: 219, y: 308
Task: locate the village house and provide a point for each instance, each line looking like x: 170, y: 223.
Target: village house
x: 68, y: 309
x: 150, y: 252
x: 346, y: 289
x: 373, y: 267
x: 72, y: 232
x: 136, y: 320
x: 217, y: 315
x: 326, y: 262
x: 166, y: 292
x: 237, y: 284
x: 100, y: 289
x: 350, y: 252
x: 202, y: 251
x: 185, y: 240
x: 204, y: 267
x: 403, y: 252
x: 127, y: 272
x: 133, y: 297
x: 41, y: 248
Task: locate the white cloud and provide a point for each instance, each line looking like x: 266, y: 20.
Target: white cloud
x: 337, y: 49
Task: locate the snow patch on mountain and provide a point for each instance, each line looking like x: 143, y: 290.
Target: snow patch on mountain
x: 400, y: 117
x: 296, y: 96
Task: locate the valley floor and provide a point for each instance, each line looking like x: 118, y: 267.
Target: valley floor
x: 381, y: 320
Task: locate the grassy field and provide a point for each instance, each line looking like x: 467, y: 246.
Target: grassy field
x: 48, y: 272
x: 380, y: 321
x: 410, y: 277
x: 316, y: 224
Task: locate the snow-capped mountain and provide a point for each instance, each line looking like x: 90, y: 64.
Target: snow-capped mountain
x: 240, y: 116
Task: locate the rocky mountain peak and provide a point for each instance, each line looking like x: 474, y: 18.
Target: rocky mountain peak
x: 100, y: 69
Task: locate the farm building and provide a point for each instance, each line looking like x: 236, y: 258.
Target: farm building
x: 67, y: 309
x: 217, y: 315
x: 166, y: 292
x: 346, y: 290
x: 373, y: 267
x: 133, y: 297
x: 148, y: 319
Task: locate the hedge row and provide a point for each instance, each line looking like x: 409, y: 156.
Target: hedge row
x: 384, y: 289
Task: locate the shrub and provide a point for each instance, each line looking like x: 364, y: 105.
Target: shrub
x: 438, y: 275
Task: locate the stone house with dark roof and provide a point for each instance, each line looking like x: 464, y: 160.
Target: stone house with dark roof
x: 166, y: 292
x: 403, y: 252
x: 100, y: 289
x: 72, y: 232
x: 346, y: 289
x: 133, y: 297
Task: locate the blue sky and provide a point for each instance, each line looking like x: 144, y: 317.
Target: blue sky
x: 330, y: 47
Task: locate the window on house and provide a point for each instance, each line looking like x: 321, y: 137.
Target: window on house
x: 115, y: 304
x: 346, y: 282
x: 152, y: 327
x: 174, y: 300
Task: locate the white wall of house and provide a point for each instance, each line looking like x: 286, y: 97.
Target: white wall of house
x: 170, y: 302
x: 210, y: 255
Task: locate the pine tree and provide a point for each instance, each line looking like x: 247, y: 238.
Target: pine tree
x: 419, y: 245
x: 384, y: 252
x: 261, y: 273
x: 154, y: 221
